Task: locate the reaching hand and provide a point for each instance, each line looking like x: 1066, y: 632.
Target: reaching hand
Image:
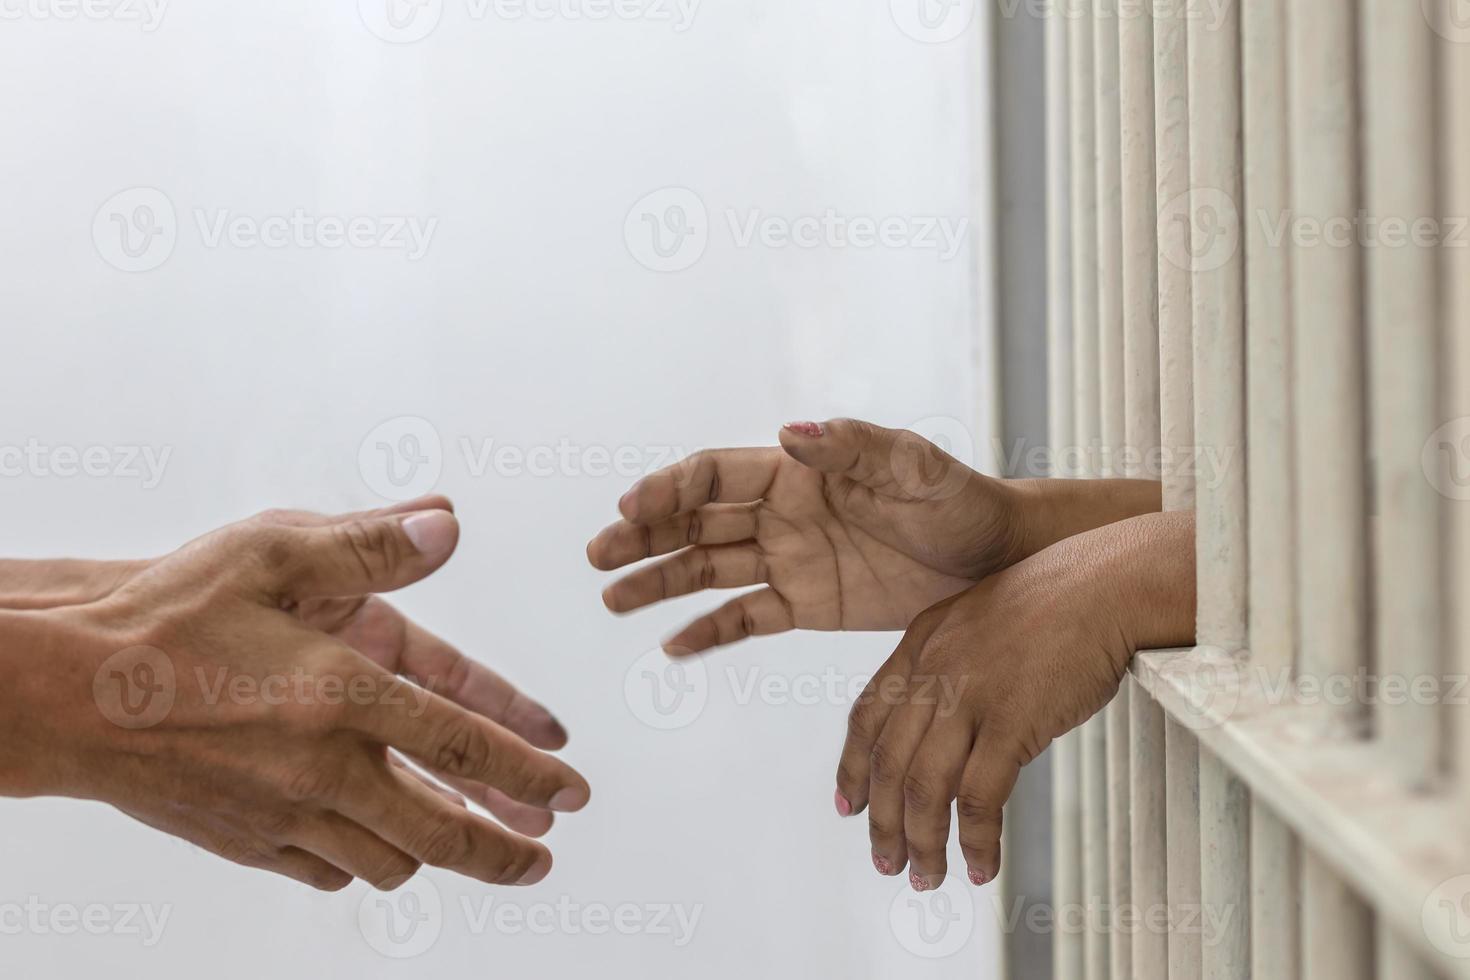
x: 244, y: 693
x: 983, y: 682
x: 848, y: 525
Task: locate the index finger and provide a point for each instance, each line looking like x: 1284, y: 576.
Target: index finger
x: 451, y: 740
x: 731, y: 476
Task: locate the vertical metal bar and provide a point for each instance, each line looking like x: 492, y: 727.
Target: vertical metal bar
x: 1176, y: 338
x: 1147, y: 820
x: 1062, y: 424
x: 1217, y: 188
x: 1176, y: 396
x: 1397, y: 961
x: 1337, y: 929
x: 1275, y: 868
x: 1402, y: 322
x: 1275, y: 896
x: 1111, y: 382
x: 1453, y: 56
x: 1087, y: 407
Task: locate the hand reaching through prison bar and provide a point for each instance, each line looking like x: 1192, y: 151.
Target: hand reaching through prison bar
x: 250, y: 693
x: 983, y: 682
x: 849, y: 526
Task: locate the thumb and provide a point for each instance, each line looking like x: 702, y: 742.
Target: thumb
x: 361, y: 556
x: 894, y: 462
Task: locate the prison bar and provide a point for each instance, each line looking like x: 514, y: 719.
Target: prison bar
x: 1326, y: 383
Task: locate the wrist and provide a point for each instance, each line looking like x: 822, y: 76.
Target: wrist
x: 48, y: 661
x: 1145, y: 578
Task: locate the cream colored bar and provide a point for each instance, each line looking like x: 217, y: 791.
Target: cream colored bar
x: 1402, y: 328
x: 1397, y: 960
x: 1275, y: 896
x: 1217, y: 192
x: 1176, y: 336
x: 1337, y: 928
x: 1111, y: 382
x: 1091, y: 739
x: 1147, y: 822
x: 1340, y: 798
x: 1176, y: 396
x: 1275, y: 871
x: 1453, y: 58
x: 1062, y: 422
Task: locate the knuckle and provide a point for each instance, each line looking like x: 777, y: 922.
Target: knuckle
x: 883, y: 766
x: 976, y: 810
x: 862, y: 721
x: 879, y: 829
x: 462, y: 749
x: 919, y: 793
x: 846, y: 776
x: 238, y: 850
x: 279, y: 824
x: 316, y: 780
x: 447, y: 841
x: 370, y: 545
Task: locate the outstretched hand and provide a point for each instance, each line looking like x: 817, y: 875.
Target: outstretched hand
x: 848, y: 526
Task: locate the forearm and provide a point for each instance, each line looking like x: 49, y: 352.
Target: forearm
x: 1144, y: 568
x: 47, y: 584
x: 33, y: 647
x: 1049, y: 511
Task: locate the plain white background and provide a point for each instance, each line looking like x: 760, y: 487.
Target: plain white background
x: 528, y: 322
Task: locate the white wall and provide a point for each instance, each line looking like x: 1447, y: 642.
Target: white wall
x: 527, y: 322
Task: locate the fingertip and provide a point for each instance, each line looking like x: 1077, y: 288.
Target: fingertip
x: 434, y: 534
x: 570, y: 799
x: 538, y: 871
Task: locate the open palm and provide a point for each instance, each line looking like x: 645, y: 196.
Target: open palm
x: 847, y: 525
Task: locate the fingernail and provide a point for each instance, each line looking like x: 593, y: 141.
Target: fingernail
x: 433, y: 533
x: 568, y: 800
x: 978, y: 877
x: 881, y: 863
x: 844, y: 808
x: 812, y: 430
x: 538, y: 871
x: 918, y: 882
